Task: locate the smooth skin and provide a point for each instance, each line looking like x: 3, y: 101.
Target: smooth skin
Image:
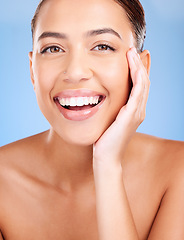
x: 95, y: 179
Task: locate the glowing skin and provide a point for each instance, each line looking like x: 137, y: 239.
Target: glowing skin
x: 92, y: 60
x: 89, y: 64
x: 90, y: 177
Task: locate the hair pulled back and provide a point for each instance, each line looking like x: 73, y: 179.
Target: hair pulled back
x: 134, y: 12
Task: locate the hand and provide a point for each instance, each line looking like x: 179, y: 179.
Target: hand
x: 112, y: 144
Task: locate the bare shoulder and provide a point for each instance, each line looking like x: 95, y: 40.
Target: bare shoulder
x: 161, y: 158
x: 20, y: 155
x: 162, y: 146
x: 19, y: 168
x: 21, y: 147
x: 164, y: 161
x: 163, y: 154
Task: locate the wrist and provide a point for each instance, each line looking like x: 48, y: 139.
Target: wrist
x: 107, y: 167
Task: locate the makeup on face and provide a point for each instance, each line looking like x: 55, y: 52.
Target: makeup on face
x: 80, y: 69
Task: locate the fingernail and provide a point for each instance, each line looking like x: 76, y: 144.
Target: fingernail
x: 134, y: 49
x: 133, y: 52
x: 136, y: 53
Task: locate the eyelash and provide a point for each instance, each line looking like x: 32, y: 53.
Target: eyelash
x: 49, y: 48
x: 108, y: 48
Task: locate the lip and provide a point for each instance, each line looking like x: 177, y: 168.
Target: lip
x: 78, y: 93
x: 79, y: 115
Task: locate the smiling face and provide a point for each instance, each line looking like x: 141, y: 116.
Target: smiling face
x: 79, y: 60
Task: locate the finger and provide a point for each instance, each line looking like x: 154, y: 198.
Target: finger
x: 138, y: 82
x: 131, y: 54
x: 146, y: 85
x: 145, y: 95
x: 136, y: 65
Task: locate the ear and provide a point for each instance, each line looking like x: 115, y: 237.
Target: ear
x: 146, y: 60
x: 31, y: 68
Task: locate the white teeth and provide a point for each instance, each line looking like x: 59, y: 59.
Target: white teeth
x: 67, y: 102
x: 78, y: 101
x: 91, y: 100
x: 96, y: 100
x: 86, y: 101
x: 72, y: 102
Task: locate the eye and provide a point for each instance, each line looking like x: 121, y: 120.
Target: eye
x: 103, y: 48
x: 52, y: 50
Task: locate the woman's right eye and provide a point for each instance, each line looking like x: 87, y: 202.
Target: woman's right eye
x: 52, y: 50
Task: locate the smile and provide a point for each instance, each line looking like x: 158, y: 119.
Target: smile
x: 74, y: 102
x: 78, y: 105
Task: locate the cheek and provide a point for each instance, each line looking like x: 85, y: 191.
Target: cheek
x: 45, y: 76
x: 114, y: 75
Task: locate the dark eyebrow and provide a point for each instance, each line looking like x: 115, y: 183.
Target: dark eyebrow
x: 53, y: 35
x: 102, y: 31
x: 89, y: 33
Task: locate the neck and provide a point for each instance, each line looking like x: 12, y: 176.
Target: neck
x: 71, y: 164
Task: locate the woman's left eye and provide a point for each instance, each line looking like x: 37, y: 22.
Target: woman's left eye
x: 52, y: 49
x: 103, y: 48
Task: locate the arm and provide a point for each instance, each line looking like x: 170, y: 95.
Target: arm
x: 169, y: 222
x: 114, y: 216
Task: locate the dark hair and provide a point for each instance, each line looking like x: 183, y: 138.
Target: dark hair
x: 35, y: 17
x: 135, y: 14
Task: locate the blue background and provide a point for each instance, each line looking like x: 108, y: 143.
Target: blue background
x: 19, y: 114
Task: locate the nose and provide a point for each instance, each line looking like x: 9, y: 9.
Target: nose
x: 77, y: 66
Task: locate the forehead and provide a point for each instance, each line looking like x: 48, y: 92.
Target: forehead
x: 81, y: 15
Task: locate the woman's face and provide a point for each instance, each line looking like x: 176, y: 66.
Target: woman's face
x: 79, y: 58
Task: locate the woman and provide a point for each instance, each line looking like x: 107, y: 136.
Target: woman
x: 91, y: 176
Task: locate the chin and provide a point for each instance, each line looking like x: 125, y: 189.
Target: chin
x: 84, y: 138
x: 80, y: 134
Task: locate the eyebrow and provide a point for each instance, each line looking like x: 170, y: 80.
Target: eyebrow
x: 52, y: 35
x: 88, y: 34
x: 103, y: 31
